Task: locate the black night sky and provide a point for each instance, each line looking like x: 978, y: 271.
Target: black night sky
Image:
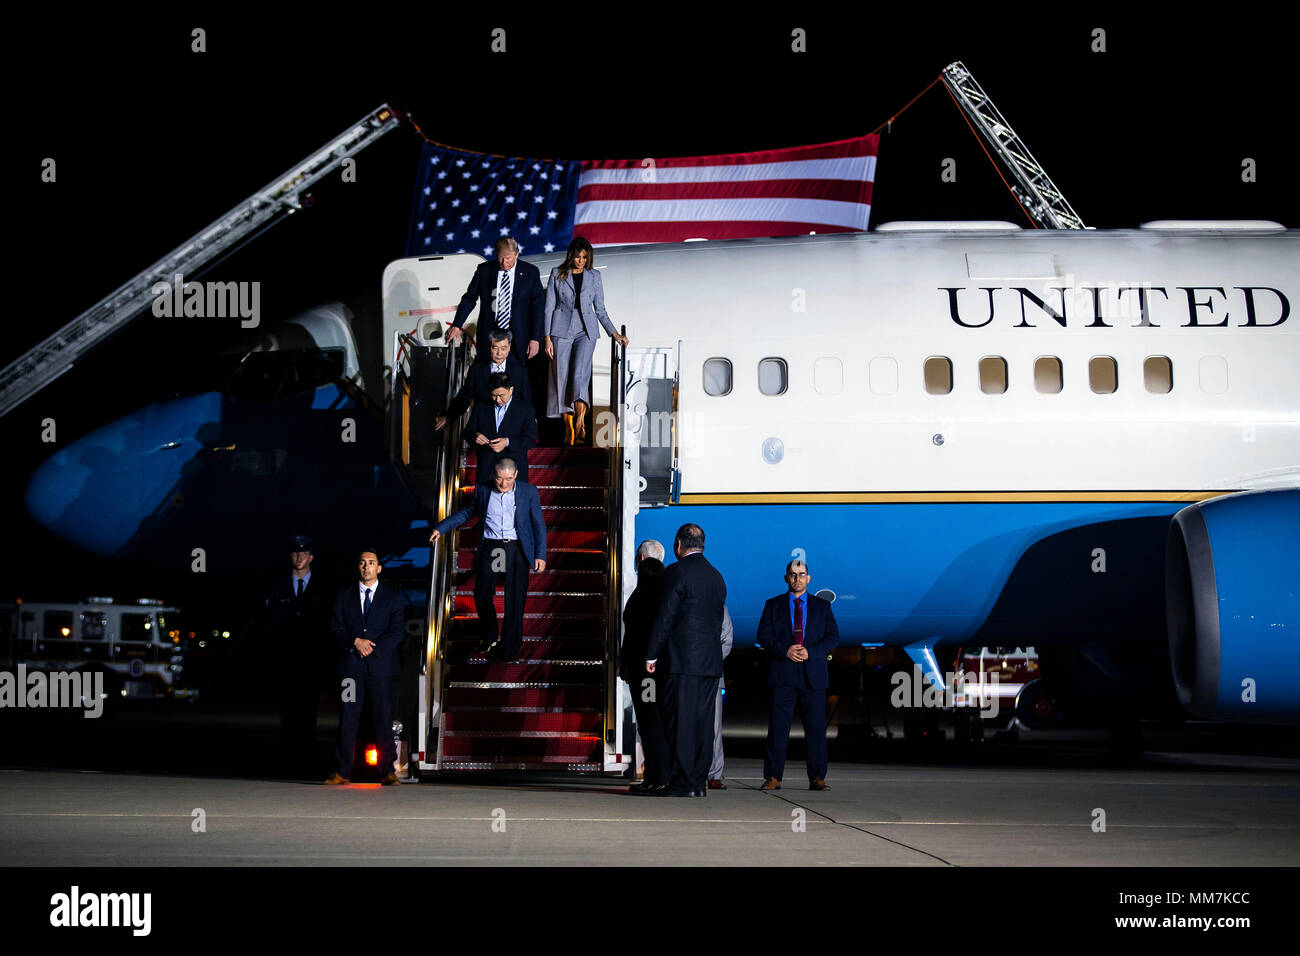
x: 153, y: 142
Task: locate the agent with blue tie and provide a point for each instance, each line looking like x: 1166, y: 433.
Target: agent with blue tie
x: 797, y: 631
x: 367, y: 624
x: 513, y: 538
x: 510, y: 291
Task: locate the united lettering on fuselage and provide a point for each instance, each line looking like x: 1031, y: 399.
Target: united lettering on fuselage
x: 1198, y: 306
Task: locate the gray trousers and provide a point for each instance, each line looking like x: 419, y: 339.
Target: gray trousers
x: 716, y: 768
x: 570, y: 378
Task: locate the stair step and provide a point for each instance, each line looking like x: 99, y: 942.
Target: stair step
x: 549, y: 456
x: 542, y: 475
x: 551, y: 580
x: 556, y: 538
x: 522, y: 763
x: 521, y: 698
x: 548, y: 749
x: 521, y: 724
x: 538, y: 602
x: 553, y: 671
x: 558, y: 560
x: 544, y: 625
x: 534, y: 649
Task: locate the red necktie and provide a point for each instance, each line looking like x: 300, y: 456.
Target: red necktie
x: 798, y: 620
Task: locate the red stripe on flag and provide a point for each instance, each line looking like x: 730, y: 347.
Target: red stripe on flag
x: 838, y: 190
x: 858, y: 146
x: 609, y: 232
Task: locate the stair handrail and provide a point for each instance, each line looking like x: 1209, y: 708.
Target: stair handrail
x: 614, y: 539
x: 442, y: 554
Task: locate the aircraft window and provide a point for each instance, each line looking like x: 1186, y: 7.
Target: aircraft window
x: 938, y: 375
x: 1047, y: 374
x: 1158, y: 373
x: 993, y: 375
x: 57, y: 625
x: 717, y: 376
x: 828, y: 376
x: 1214, y: 375
x: 883, y: 375
x: 1103, y: 374
x: 93, y: 624
x: 773, y: 376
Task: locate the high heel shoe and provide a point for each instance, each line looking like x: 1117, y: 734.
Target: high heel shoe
x: 568, y: 428
x: 580, y: 422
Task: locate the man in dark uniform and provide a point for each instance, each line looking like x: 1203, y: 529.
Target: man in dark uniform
x: 367, y: 625
x: 797, y: 631
x: 638, y: 619
x: 687, y: 626
x: 298, y: 645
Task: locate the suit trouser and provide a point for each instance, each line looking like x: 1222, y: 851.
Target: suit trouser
x: 718, y: 766
x: 811, y: 703
x: 689, y: 703
x: 570, y: 378
x: 495, y: 557
x: 378, y: 692
x: 650, y: 727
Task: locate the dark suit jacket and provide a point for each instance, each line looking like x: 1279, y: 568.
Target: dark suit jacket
x: 528, y: 517
x: 384, y: 625
x: 519, y: 425
x: 689, y: 621
x: 297, y: 629
x: 638, y: 619
x: 526, y: 301
x: 820, y: 636
x: 475, y: 387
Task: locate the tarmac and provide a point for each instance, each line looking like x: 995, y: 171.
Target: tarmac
x: 1174, y: 810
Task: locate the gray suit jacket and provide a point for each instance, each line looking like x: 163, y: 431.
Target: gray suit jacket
x: 560, y: 303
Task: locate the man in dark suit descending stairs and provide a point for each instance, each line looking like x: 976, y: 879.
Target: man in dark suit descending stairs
x: 513, y: 541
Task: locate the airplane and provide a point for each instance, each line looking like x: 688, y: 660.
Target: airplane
x: 974, y: 435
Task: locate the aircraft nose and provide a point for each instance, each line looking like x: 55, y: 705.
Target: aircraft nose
x: 95, y: 492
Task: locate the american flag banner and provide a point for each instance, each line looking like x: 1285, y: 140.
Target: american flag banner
x: 464, y: 201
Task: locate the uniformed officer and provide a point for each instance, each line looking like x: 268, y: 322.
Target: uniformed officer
x: 299, y: 649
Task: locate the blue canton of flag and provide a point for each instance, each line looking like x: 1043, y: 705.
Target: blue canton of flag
x: 465, y: 202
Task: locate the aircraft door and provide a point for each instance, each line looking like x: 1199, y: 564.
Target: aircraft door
x: 652, y: 421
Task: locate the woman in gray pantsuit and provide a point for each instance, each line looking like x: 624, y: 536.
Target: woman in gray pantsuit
x: 575, y: 302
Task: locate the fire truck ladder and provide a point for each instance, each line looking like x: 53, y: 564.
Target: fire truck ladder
x: 282, y: 197
x: 1034, y: 189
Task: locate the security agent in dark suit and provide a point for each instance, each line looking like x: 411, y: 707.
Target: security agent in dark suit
x: 503, y: 427
x: 513, y: 539
x: 510, y: 291
x: 476, y: 389
x: 300, y: 651
x: 367, y: 625
x: 797, y: 630
x: 638, y: 619
x: 687, y: 627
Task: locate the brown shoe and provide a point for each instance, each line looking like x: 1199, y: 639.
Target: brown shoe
x: 336, y: 779
x: 771, y: 783
x: 717, y: 785
x: 819, y: 784
x: 390, y: 778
